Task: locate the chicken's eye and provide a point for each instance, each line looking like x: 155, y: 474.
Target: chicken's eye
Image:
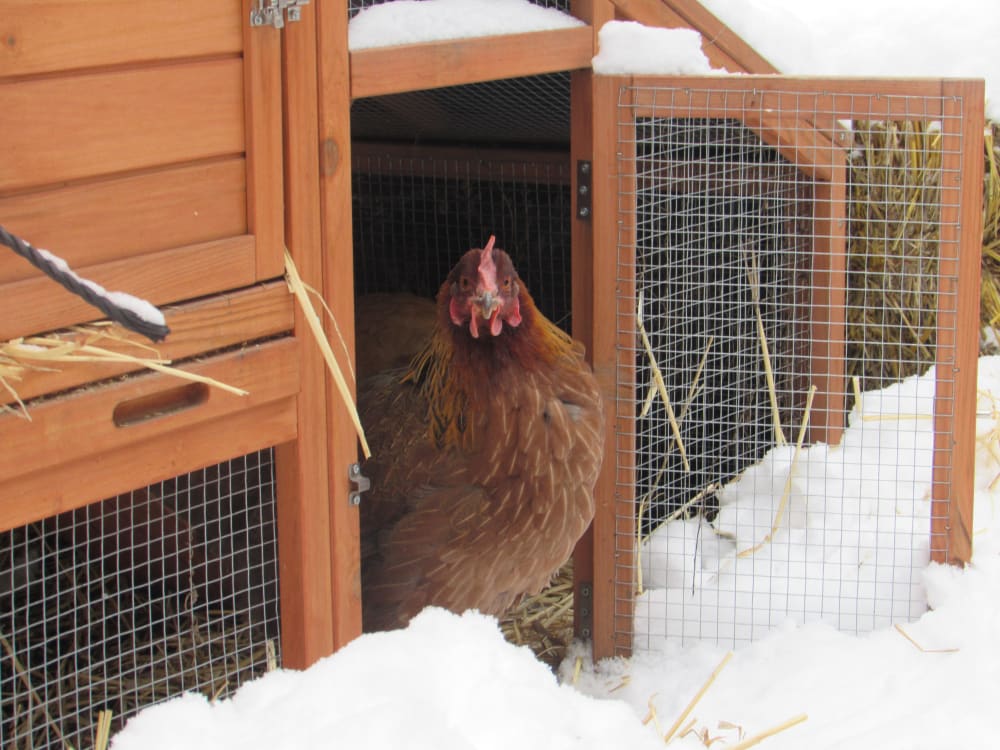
x: 464, y: 284
x: 506, y: 283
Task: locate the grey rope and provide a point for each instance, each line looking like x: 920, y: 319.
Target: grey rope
x: 125, y: 317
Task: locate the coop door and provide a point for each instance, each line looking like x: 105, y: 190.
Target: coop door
x: 142, y: 143
x: 796, y: 304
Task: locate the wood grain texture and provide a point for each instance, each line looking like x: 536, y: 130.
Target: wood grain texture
x: 606, y: 639
x: 102, y: 123
x: 265, y: 196
x: 38, y: 304
x: 75, y: 483
x: 206, y: 324
x: 42, y: 36
x: 412, y: 67
x: 338, y: 289
x: 304, y: 506
x: 112, y: 219
x: 54, y: 434
x: 953, y: 486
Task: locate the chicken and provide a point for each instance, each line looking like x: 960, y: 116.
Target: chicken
x: 485, y: 454
x: 390, y: 330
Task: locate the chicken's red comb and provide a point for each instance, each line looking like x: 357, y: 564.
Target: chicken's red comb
x: 487, y: 268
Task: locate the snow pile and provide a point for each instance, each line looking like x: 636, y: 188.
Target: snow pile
x: 444, y: 683
x: 414, y: 21
x: 854, y: 527
x: 627, y: 47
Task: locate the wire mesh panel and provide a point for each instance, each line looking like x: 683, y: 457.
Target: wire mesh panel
x: 136, y: 599
x: 417, y: 211
x: 787, y: 323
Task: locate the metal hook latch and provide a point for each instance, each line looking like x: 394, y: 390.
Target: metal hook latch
x: 360, y: 481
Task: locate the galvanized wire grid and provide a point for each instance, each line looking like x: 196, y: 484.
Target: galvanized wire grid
x: 749, y: 534
x: 529, y: 110
x: 135, y: 599
x: 414, y: 216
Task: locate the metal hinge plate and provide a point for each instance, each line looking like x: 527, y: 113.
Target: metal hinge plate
x: 360, y: 481
x: 584, y: 184
x: 276, y: 12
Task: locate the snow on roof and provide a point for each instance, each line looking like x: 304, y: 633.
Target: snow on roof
x: 629, y: 47
x: 414, y: 21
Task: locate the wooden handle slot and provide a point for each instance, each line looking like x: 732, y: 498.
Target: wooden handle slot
x: 159, y: 404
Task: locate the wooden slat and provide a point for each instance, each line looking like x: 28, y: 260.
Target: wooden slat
x: 596, y: 13
x: 716, y: 33
x: 49, y: 35
x: 828, y: 310
x: 953, y: 485
x: 72, y: 484
x: 308, y: 591
x: 207, y: 324
x: 39, y: 304
x: 112, y: 219
x: 608, y: 641
x: 102, y: 123
x: 413, y: 67
x: 712, y: 96
x: 338, y: 289
x: 265, y: 198
x: 79, y: 425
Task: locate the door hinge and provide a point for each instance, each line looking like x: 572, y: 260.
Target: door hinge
x: 360, y: 481
x: 276, y: 12
x: 583, y: 187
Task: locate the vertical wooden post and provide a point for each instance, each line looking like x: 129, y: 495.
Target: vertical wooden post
x: 953, y: 484
x: 334, y: 149
x: 303, y: 507
x: 596, y: 13
x: 828, y: 308
x: 613, y: 573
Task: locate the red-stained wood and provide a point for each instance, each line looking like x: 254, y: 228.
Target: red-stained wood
x: 452, y: 62
x: 595, y: 13
x: 43, y: 36
x: 610, y: 634
x: 953, y: 485
x: 106, y: 122
x: 74, y: 483
x: 264, y: 196
x: 828, y: 310
x: 211, y: 323
x: 112, y: 219
x: 334, y: 80
x: 304, y: 521
x: 38, y: 304
x: 54, y: 435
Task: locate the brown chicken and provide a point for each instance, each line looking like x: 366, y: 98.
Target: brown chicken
x: 485, y: 454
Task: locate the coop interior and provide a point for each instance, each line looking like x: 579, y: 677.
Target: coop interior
x: 758, y: 497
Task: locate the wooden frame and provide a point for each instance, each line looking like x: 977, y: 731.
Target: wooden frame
x: 954, y: 416
x: 219, y: 220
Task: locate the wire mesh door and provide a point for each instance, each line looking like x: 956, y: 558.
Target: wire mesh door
x: 796, y: 329
x: 138, y: 598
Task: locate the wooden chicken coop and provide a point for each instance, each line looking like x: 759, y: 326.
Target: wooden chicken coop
x: 158, y: 536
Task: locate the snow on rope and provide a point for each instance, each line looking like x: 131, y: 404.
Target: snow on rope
x: 131, y: 312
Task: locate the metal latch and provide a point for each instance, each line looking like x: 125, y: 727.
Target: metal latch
x: 276, y: 12
x: 360, y: 481
x: 583, y: 188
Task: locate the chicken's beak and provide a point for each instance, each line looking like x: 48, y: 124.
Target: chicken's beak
x: 487, y: 302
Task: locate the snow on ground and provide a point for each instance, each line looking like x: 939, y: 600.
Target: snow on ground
x: 450, y: 682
